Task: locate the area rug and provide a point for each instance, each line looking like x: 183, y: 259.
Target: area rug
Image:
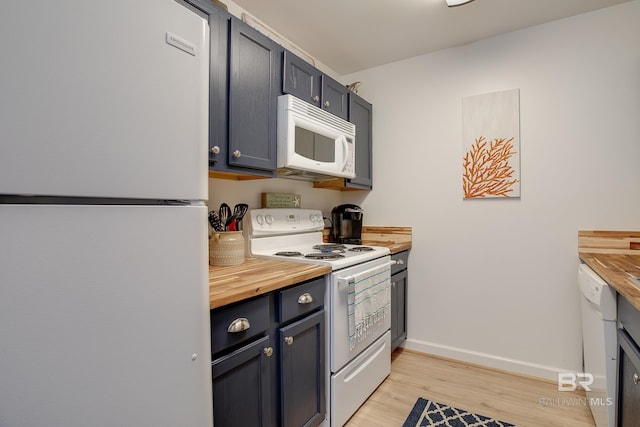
x: 429, y: 413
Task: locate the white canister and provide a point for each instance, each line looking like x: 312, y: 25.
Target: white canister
x: 226, y: 248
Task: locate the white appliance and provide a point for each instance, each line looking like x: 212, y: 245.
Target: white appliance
x: 312, y: 143
x: 357, y: 301
x: 599, y: 342
x: 104, y: 311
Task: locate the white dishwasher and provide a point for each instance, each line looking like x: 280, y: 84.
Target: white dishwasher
x: 599, y: 345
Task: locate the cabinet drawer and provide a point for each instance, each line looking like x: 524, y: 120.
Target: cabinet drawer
x: 248, y: 318
x: 402, y: 259
x: 300, y: 299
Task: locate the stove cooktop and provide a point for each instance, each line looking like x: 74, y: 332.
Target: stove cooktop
x: 344, y: 256
x: 296, y: 235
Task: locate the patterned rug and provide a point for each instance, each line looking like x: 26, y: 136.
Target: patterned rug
x: 428, y: 413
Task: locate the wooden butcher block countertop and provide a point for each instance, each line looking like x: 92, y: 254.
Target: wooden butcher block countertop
x: 615, y: 256
x: 258, y: 276
x: 255, y: 277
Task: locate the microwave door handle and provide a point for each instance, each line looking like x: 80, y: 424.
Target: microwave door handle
x: 345, y: 151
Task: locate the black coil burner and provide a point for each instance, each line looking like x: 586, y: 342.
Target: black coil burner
x: 330, y: 247
x: 362, y: 249
x: 324, y: 255
x: 288, y: 253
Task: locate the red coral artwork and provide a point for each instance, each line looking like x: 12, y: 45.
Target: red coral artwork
x: 491, y: 145
x: 487, y: 172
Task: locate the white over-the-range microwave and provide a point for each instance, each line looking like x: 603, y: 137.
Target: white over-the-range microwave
x: 313, y: 143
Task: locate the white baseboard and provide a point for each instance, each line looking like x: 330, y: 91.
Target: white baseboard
x: 521, y: 367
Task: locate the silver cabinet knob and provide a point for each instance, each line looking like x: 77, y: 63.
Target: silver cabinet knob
x: 237, y: 154
x: 636, y: 378
x: 305, y: 298
x: 239, y: 325
x: 326, y: 104
x: 316, y: 98
x: 215, y: 149
x: 288, y: 340
x: 268, y: 351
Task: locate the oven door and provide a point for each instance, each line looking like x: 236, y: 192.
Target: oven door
x: 360, y: 309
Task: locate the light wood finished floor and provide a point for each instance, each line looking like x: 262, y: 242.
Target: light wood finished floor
x: 521, y: 400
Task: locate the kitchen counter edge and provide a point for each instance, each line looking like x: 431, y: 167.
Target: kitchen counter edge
x: 614, y: 256
x: 606, y: 266
x: 257, y: 276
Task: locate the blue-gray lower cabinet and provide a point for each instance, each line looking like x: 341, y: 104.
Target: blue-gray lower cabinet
x: 242, y: 386
x: 399, y: 285
x: 628, y: 409
x: 302, y: 372
x: 268, y: 357
x: 628, y: 375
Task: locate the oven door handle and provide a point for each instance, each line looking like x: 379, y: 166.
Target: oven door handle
x: 352, y: 278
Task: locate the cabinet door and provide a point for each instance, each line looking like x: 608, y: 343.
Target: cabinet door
x: 334, y: 97
x: 218, y: 82
x: 300, y: 79
x: 254, y: 76
x: 242, y: 386
x: 398, y: 308
x: 360, y: 114
x: 302, y: 372
x: 628, y: 412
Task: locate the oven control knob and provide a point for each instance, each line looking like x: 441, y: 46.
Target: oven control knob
x: 260, y: 219
x: 268, y: 219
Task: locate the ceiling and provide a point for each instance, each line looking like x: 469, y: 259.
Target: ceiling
x: 352, y: 35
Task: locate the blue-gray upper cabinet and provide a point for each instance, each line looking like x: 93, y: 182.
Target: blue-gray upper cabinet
x: 304, y: 81
x: 361, y: 115
x: 245, y: 76
x: 254, y: 86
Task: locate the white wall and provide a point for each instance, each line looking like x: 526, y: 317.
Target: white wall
x: 250, y: 192
x: 494, y: 281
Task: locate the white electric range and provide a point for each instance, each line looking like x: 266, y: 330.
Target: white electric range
x: 357, y: 301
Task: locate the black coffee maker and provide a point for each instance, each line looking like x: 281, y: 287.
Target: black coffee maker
x: 346, y: 224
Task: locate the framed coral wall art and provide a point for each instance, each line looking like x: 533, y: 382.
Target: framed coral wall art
x: 491, y: 145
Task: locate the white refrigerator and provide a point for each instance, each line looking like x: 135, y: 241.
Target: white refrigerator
x: 104, y: 308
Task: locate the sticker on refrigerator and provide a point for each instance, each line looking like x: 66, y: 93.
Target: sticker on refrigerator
x: 181, y: 43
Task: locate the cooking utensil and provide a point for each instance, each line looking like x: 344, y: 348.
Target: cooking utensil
x: 240, y: 209
x: 229, y: 221
x: 224, y: 212
x: 215, y: 222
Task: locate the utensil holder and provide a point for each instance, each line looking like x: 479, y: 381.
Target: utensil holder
x: 226, y: 248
